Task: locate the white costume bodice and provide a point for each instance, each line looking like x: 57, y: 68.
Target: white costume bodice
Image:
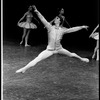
x: 54, y: 38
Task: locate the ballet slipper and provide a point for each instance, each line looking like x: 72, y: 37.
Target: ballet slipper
x: 85, y: 59
x: 26, y: 45
x: 97, y: 59
x: 22, y: 70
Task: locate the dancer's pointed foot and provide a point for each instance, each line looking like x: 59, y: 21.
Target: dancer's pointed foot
x: 21, y: 42
x: 26, y: 45
x: 85, y: 59
x: 97, y: 59
x: 22, y: 70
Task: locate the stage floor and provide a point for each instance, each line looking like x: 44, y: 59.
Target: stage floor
x: 58, y: 77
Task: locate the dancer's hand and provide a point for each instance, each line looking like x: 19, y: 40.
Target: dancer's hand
x: 34, y: 7
x: 84, y: 26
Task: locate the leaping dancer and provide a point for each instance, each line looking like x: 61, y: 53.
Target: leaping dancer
x: 55, y: 34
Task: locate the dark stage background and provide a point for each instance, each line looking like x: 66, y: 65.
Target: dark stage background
x: 77, y: 13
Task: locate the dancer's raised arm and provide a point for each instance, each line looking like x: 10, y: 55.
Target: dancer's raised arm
x: 22, y: 17
x: 94, y: 31
x: 74, y: 29
x: 41, y: 17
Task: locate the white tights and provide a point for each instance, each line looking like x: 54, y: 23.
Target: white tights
x: 47, y: 53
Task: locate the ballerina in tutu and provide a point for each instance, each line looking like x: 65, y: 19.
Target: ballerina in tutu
x: 27, y: 25
x: 55, y: 34
x: 95, y: 35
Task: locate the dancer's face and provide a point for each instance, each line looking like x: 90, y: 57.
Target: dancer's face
x: 30, y: 8
x: 57, y: 21
x: 62, y: 11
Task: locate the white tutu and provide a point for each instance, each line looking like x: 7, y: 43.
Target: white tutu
x: 96, y: 36
x: 27, y: 25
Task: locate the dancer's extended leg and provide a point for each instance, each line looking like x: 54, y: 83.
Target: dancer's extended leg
x: 43, y: 55
x: 97, y: 46
x: 97, y: 54
x: 66, y: 52
x: 24, y: 33
x: 26, y: 38
x: 93, y: 56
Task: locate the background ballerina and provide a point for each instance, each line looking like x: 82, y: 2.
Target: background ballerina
x: 61, y: 15
x: 27, y: 25
x: 95, y: 35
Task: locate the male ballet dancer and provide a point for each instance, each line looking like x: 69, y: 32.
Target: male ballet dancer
x: 55, y: 33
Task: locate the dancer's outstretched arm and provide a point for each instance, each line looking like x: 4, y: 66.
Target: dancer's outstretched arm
x: 74, y: 29
x: 22, y: 17
x: 36, y: 19
x: 67, y: 22
x: 41, y: 17
x: 94, y: 30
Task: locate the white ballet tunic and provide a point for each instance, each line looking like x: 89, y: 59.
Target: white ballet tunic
x: 54, y: 34
x: 54, y: 38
